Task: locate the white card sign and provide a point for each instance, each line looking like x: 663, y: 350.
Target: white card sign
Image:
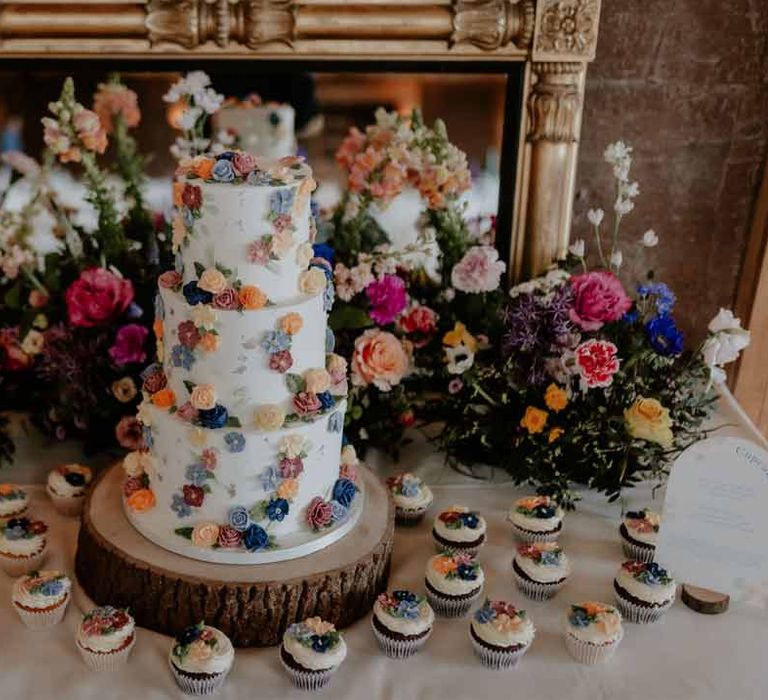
x: 714, y: 529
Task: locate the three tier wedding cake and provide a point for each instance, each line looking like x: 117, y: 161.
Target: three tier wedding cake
x: 243, y: 412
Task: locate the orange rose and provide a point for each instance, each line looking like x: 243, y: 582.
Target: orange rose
x: 203, y: 167
x: 444, y: 565
x: 157, y: 327
x: 165, y: 398
x: 291, y: 323
x: 141, y: 500
x: 288, y: 489
x: 178, y: 188
x: 251, y: 297
x: 555, y: 398
x: 534, y: 419
x: 209, y: 342
x: 379, y: 359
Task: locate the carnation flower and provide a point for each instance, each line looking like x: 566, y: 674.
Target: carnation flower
x: 387, y: 297
x: 478, y: 271
x: 97, y: 297
x: 598, y: 298
x: 597, y: 363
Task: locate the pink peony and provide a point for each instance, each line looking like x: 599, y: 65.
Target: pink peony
x: 129, y: 345
x: 379, y: 358
x: 97, y: 297
x: 598, y: 298
x: 128, y: 433
x: 478, y: 271
x: 319, y: 513
x: 597, y: 362
x: 169, y: 279
x: 388, y: 298
x: 306, y: 402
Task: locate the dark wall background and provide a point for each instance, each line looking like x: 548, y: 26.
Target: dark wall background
x: 686, y: 84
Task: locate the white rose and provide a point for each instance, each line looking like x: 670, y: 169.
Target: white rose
x: 133, y: 464
x: 724, y: 321
x: 728, y: 339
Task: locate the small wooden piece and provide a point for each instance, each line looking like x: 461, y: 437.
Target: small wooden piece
x: 252, y: 605
x: 703, y: 600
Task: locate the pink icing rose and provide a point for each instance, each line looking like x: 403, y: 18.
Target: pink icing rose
x: 131, y: 485
x: 187, y: 412
x: 169, y: 279
x: 348, y: 471
x: 189, y: 336
x: 128, y: 433
x: 243, y: 163
x: 281, y: 361
x: 229, y: 537
x: 306, y: 402
x: 97, y: 297
x: 387, y: 297
x: 209, y: 458
x: 129, y: 345
x: 291, y: 467
x: 154, y: 381
x: 478, y: 271
x: 227, y: 300
x: 260, y: 251
x: 597, y: 362
x: 598, y: 298
x: 319, y: 513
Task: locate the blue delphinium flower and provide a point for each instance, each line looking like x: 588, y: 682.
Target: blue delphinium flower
x: 323, y: 250
x: 223, y: 171
x: 259, y: 177
x: 281, y: 201
x: 269, y: 478
x: 664, y: 297
x: 664, y: 335
x: 215, y: 417
x: 179, y: 507
x: 255, y: 538
x: 344, y: 492
x: 235, y: 442
x: 277, y: 509
x: 182, y: 356
x: 335, y: 422
x: 276, y: 341
x: 485, y: 614
x: 239, y: 518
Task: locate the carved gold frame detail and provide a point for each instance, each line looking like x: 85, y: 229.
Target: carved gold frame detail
x: 555, y: 39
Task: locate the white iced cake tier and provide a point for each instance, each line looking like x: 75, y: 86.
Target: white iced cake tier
x: 264, y: 129
x: 243, y: 412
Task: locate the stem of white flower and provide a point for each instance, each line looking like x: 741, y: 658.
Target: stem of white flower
x: 600, y: 246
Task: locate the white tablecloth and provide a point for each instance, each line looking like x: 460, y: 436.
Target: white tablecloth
x: 687, y: 655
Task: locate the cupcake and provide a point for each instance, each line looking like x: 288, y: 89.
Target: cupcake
x: 540, y: 569
x: 500, y: 634
x: 536, y: 519
x: 201, y: 658
x: 66, y: 486
x: 459, y: 530
x: 22, y: 545
x: 412, y: 498
x: 13, y: 502
x: 592, y: 632
x: 402, y: 622
x: 41, y: 597
x: 454, y: 582
x: 105, y: 638
x: 644, y: 591
x: 311, y: 652
x: 638, y: 534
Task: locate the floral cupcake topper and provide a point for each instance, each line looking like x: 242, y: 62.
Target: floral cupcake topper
x: 403, y: 604
x: 643, y: 520
x: 650, y: 573
x: 11, y: 493
x: 197, y: 642
x: 603, y: 616
x: 542, y: 553
x: 315, y: 634
x: 457, y: 517
x: 542, y: 507
x: 504, y: 617
x: 24, y: 529
x: 460, y: 566
x: 405, y: 484
x: 105, y: 620
x: 46, y: 583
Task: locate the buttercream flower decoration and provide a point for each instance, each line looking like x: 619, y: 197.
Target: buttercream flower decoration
x: 252, y: 298
x: 312, y: 281
x: 203, y: 316
x: 205, y: 534
x: 269, y: 417
x: 212, y: 280
x: 317, y: 380
x: 141, y: 500
x: 203, y: 397
x: 291, y: 323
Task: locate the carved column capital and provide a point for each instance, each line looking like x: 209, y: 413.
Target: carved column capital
x: 554, y: 103
x: 492, y: 24
x: 566, y: 29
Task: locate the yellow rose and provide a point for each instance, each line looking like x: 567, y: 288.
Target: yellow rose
x: 288, y: 489
x: 33, y: 342
x: 291, y: 446
x: 304, y: 254
x: 203, y: 397
x: 205, y: 534
x: 317, y: 380
x: 647, y: 419
x: 124, y: 390
x: 349, y: 456
x: 555, y: 398
x: 312, y: 281
x: 269, y: 417
x: 135, y: 463
x: 534, y: 419
x: 291, y: 323
x: 213, y: 281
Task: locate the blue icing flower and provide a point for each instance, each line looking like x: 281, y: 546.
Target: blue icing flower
x: 259, y: 177
x: 223, y: 171
x: 215, y: 417
x: 549, y: 558
x: 159, y: 307
x: 281, y: 201
x: 338, y: 512
x: 470, y: 520
x: 335, y: 422
x: 344, y: 492
x: 466, y: 572
x: 255, y: 538
x: 16, y: 530
x: 408, y: 609
x: 654, y: 575
x: 326, y: 400
x: 325, y: 269
x: 405, y: 595
x: 239, y: 518
x: 235, y: 442
x: 149, y: 370
x: 182, y: 356
x: 179, y: 507
x: 277, y: 509
x: 664, y: 297
x: 578, y: 618
x: 320, y: 644
x: 411, y: 487
x: 485, y: 614
x: 314, y: 208
x: 189, y: 222
x: 194, y: 295
x: 52, y: 587
x: 276, y: 341
x: 226, y: 155
x: 329, y: 296
x: 147, y: 438
x: 544, y: 511
x: 269, y: 478
x: 196, y: 474
x: 323, y: 250
x: 330, y: 340
x: 664, y: 335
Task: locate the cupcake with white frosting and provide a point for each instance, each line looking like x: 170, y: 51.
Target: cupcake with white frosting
x: 459, y: 530
x: 105, y: 638
x: 402, y: 622
x: 453, y: 582
x: 41, y: 597
x: 22, y: 545
x: 412, y: 498
x: 201, y: 658
x: 500, y: 634
x: 644, y: 591
x: 13, y: 502
x: 311, y: 652
x: 592, y: 632
x: 67, y: 486
x: 639, y: 531
x: 540, y: 569
x: 536, y: 519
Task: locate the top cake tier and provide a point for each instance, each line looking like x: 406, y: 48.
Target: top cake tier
x: 247, y: 217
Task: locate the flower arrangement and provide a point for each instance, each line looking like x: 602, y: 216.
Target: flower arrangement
x: 77, y: 284
x: 403, y: 604
x: 593, y: 379
x: 543, y: 553
x: 196, y: 641
x: 501, y: 615
x: 315, y: 634
x: 649, y: 573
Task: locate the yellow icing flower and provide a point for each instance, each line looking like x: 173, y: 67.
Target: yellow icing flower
x: 197, y: 437
x: 124, y: 389
x: 647, y: 419
x: 460, y: 336
x: 203, y: 316
x: 143, y: 413
x: 291, y: 445
x: 135, y: 463
x: 203, y: 397
x: 317, y: 380
x: 312, y: 281
x: 534, y: 419
x: 555, y: 398
x: 33, y: 342
x: 199, y: 650
x: 291, y: 323
x: 349, y: 456
x: 306, y: 188
x: 205, y: 534
x: 281, y: 243
x: 288, y: 489
x: 504, y: 623
x: 160, y: 351
x: 304, y: 254
x: 318, y: 626
x: 554, y: 434
x: 269, y: 417
x: 213, y: 281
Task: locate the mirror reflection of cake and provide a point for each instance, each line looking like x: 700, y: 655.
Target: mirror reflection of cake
x: 263, y: 128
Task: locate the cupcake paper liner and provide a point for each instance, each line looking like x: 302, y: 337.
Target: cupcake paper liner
x: 399, y: 648
x: 535, y: 590
x: 18, y: 566
x: 110, y: 661
x: 641, y: 614
x: 198, y: 686
x: 68, y: 507
x: 638, y: 552
x: 18, y: 514
x: 590, y: 654
x: 42, y: 619
x: 451, y: 607
x: 308, y: 680
x: 497, y: 660
x: 527, y: 537
x: 410, y: 516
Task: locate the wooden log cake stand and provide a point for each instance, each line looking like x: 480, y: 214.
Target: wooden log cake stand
x: 251, y: 604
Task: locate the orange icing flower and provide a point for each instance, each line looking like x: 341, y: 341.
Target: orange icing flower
x: 5, y: 489
x: 534, y: 419
x: 291, y: 323
x: 444, y: 565
x: 165, y: 398
x: 157, y: 328
x: 592, y: 608
x: 209, y: 342
x: 554, y: 434
x: 288, y: 489
x: 531, y: 502
x: 141, y: 500
x: 252, y: 298
x: 555, y: 398
x: 178, y: 188
x: 203, y: 167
